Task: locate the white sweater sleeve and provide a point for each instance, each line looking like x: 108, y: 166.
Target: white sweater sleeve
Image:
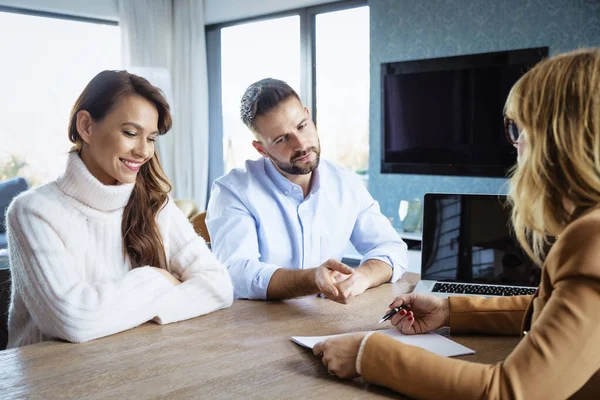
x: 61, y: 303
x: 206, y: 285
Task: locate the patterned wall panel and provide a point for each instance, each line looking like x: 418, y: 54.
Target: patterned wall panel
x: 416, y: 29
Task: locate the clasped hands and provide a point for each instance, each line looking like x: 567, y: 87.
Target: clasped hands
x: 339, y: 282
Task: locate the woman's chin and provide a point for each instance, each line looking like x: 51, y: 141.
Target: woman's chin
x: 125, y: 179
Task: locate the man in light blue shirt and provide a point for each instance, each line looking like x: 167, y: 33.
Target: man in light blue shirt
x: 281, y: 225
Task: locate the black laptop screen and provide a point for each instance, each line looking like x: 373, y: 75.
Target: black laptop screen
x: 467, y: 238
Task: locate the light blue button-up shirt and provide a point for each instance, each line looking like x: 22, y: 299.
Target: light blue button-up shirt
x: 259, y: 221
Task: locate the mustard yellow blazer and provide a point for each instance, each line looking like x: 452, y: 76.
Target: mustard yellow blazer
x: 558, y: 356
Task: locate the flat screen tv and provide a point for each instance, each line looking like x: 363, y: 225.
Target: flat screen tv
x: 443, y: 116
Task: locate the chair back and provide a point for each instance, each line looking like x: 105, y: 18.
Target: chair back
x: 199, y: 223
x: 8, y: 190
x: 4, y: 303
x: 187, y: 207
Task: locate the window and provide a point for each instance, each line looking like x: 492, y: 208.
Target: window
x: 45, y: 65
x: 342, y: 89
x: 251, y: 52
x: 322, y: 52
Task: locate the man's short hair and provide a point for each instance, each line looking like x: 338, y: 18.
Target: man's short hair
x: 262, y: 97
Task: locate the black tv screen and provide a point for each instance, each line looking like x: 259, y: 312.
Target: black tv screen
x: 443, y: 116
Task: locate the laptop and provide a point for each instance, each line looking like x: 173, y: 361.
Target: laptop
x: 468, y: 248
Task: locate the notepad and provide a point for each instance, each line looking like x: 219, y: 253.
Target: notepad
x: 429, y: 341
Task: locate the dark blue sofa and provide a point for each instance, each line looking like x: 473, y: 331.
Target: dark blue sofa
x: 8, y: 190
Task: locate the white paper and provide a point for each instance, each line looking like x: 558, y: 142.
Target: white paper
x: 429, y: 341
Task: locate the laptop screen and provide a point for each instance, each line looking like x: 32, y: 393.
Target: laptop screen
x: 467, y: 238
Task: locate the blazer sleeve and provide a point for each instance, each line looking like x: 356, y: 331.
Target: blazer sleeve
x: 496, y: 315
x: 564, y: 334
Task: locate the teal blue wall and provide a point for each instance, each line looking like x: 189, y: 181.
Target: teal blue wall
x: 415, y: 29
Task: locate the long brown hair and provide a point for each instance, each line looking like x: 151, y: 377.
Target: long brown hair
x: 142, y: 240
x: 557, y: 104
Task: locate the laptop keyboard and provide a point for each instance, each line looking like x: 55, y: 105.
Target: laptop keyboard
x: 484, y: 290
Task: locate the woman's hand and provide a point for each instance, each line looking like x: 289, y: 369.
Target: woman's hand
x: 168, y: 276
x: 423, y: 313
x: 340, y: 353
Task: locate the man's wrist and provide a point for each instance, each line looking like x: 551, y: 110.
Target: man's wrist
x: 365, y: 275
x: 313, y: 279
x: 287, y: 283
x: 446, y: 307
x: 376, y: 272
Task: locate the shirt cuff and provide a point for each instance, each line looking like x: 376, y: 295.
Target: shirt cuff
x: 260, y: 283
x: 250, y: 278
x: 360, y: 351
x: 257, y: 287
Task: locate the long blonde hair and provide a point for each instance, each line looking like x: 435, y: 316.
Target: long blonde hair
x: 557, y: 104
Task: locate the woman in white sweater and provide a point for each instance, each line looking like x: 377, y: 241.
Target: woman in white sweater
x: 102, y: 249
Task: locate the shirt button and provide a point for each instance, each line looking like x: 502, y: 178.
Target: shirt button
x: 286, y: 192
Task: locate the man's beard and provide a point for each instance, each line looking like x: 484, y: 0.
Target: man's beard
x: 293, y: 169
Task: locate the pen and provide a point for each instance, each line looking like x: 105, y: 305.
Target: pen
x: 391, y: 313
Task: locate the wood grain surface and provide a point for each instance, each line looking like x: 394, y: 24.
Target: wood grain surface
x: 244, y: 352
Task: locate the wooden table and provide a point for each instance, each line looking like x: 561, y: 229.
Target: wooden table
x: 244, y: 352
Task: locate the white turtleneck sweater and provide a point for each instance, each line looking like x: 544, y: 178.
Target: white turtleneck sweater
x: 70, y: 279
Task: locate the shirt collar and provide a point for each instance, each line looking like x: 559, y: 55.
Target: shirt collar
x: 287, y: 187
x: 280, y: 181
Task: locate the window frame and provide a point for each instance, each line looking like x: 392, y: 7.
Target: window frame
x: 308, y: 68
x: 48, y: 14
x: 56, y: 16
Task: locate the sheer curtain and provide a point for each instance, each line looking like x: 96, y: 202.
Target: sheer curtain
x: 163, y: 40
x: 190, y: 89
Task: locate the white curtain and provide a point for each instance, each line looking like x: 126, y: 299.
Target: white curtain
x: 163, y: 40
x: 190, y: 89
x: 146, y: 33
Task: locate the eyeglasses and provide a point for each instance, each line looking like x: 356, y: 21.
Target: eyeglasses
x: 512, y: 130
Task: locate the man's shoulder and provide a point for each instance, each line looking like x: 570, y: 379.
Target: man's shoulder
x: 336, y: 173
x: 239, y: 177
x: 336, y: 168
x: 242, y: 182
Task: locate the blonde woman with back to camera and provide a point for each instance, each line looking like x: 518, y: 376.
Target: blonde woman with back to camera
x: 102, y: 249
x: 553, y: 118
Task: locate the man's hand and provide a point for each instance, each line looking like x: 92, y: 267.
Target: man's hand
x: 370, y: 274
x: 340, y: 354
x: 333, y: 279
x: 286, y: 283
x: 351, y: 286
x: 174, y: 281
x: 329, y: 274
